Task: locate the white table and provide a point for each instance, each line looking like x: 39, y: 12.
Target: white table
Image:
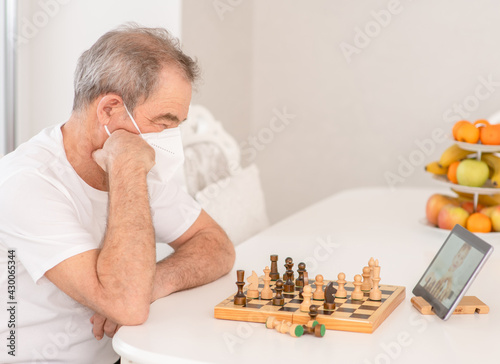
x: 337, y: 234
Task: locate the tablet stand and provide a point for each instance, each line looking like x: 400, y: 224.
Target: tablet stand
x: 468, y: 305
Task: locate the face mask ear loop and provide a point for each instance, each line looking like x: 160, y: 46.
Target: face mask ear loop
x: 107, y: 130
x: 133, y: 121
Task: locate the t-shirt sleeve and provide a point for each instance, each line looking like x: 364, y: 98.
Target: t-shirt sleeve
x: 40, y: 221
x: 173, y: 211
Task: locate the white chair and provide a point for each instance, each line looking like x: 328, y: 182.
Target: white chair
x: 232, y: 195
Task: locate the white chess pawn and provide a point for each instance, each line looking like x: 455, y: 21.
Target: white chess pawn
x: 319, y: 295
x: 341, y: 292
x: 357, y: 294
x: 306, y: 293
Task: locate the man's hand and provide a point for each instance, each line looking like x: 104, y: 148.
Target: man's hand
x: 102, y: 326
x: 124, y: 148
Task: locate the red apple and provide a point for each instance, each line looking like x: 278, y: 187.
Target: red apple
x: 450, y: 215
x: 469, y: 206
x: 434, y: 205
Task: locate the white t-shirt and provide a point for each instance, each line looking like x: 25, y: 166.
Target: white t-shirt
x: 48, y: 214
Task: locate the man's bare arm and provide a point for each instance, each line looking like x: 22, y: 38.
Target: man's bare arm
x: 117, y: 281
x: 202, y: 254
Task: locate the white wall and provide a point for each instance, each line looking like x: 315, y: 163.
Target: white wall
x: 354, y: 121
x: 54, y: 34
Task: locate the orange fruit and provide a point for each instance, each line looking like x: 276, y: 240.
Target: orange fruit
x: 457, y: 126
x: 479, y: 223
x: 452, y: 172
x: 468, y: 133
x: 490, y: 134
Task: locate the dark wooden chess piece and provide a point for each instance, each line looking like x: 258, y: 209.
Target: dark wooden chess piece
x: 329, y: 304
x: 299, y: 282
x: 274, y: 268
x: 288, y: 266
x: 289, y: 286
x: 313, y: 312
x: 240, y: 298
x: 279, y: 300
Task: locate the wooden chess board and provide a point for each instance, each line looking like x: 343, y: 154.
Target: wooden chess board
x: 357, y: 316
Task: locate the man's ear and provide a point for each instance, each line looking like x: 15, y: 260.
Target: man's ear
x: 108, y: 108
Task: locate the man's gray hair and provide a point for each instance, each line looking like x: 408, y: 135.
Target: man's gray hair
x: 127, y: 61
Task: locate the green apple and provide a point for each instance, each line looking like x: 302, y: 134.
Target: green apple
x: 472, y: 173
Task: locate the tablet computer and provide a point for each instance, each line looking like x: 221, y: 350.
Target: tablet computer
x: 452, y: 271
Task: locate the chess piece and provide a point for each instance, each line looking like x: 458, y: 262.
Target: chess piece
x: 284, y: 327
x: 267, y: 292
x: 307, y: 293
x: 274, y: 268
x: 289, y: 285
x: 288, y: 266
x: 371, y: 264
x: 313, y: 312
x: 319, y: 295
x: 306, y: 278
x: 299, y: 282
x: 240, y: 299
x: 357, y: 294
x: 314, y: 328
x: 329, y: 304
x: 279, y: 300
x: 367, y: 284
x: 376, y: 293
x: 253, y: 287
x: 341, y: 292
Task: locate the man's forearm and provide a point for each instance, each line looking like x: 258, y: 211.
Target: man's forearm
x: 208, y: 255
x: 126, y: 263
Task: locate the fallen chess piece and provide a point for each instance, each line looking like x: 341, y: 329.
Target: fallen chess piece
x: 284, y: 327
x: 314, y: 328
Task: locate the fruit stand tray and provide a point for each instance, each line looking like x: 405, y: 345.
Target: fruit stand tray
x: 483, y: 148
x: 488, y: 188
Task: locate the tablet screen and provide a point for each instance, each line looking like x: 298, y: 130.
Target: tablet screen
x: 452, y: 270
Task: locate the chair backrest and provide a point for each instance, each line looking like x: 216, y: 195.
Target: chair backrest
x: 232, y: 195
x: 211, y: 154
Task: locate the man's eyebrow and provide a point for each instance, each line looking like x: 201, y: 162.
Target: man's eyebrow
x: 167, y: 116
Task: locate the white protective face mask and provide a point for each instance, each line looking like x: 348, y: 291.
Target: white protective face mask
x: 169, y: 154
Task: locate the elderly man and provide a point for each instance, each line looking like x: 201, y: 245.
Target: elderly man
x: 83, y: 204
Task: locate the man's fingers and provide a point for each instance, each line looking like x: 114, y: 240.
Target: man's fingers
x: 100, y: 158
x: 98, y: 329
x: 110, y: 328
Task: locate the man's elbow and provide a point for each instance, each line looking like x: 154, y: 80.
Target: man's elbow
x: 132, y: 316
x: 228, y: 253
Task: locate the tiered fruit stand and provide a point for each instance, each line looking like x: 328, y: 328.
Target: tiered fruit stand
x: 488, y: 188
